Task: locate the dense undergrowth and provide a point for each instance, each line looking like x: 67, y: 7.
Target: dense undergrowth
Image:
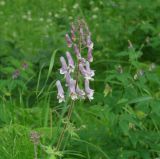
x: 122, y: 122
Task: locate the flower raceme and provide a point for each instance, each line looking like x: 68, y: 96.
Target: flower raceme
x: 76, y: 70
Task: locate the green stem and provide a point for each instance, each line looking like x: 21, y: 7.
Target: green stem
x: 65, y: 126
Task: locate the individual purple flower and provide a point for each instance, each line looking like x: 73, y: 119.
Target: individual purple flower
x: 60, y: 95
x: 89, y: 71
x: 71, y: 66
x: 64, y: 67
x: 82, y: 69
x: 72, y: 89
x: 76, y: 50
x: 90, y: 57
x: 89, y: 92
x: 15, y: 74
x: 80, y: 92
x: 86, y: 72
x: 68, y: 78
x: 89, y: 42
x: 68, y: 40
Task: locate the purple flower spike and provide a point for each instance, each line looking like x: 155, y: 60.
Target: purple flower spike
x: 63, y: 69
x: 68, y: 40
x: 72, y: 89
x: 80, y: 92
x: 60, y: 95
x: 76, y: 50
x: 71, y: 66
x: 89, y: 92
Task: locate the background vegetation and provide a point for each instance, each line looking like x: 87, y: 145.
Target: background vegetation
x: 122, y: 122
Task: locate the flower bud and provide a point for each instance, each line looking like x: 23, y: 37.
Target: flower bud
x: 82, y: 35
x: 73, y: 29
x: 90, y: 57
x: 68, y: 40
x: 90, y: 48
x: 76, y: 50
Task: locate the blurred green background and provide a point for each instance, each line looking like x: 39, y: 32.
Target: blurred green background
x: 122, y: 122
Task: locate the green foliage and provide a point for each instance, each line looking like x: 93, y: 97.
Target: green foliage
x: 122, y: 122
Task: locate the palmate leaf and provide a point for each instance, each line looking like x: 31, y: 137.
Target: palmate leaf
x: 52, y: 152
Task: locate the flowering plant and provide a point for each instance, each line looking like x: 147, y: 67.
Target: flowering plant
x: 76, y: 70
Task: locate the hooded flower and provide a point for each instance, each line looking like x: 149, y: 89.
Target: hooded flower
x: 68, y: 40
x: 72, y: 89
x: 80, y: 92
x: 86, y: 72
x: 82, y: 69
x: 89, y: 92
x: 89, y: 56
x: 89, y: 42
x: 60, y: 95
x: 63, y: 69
x: 89, y: 71
x: 68, y: 78
x: 71, y: 66
x: 76, y: 50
